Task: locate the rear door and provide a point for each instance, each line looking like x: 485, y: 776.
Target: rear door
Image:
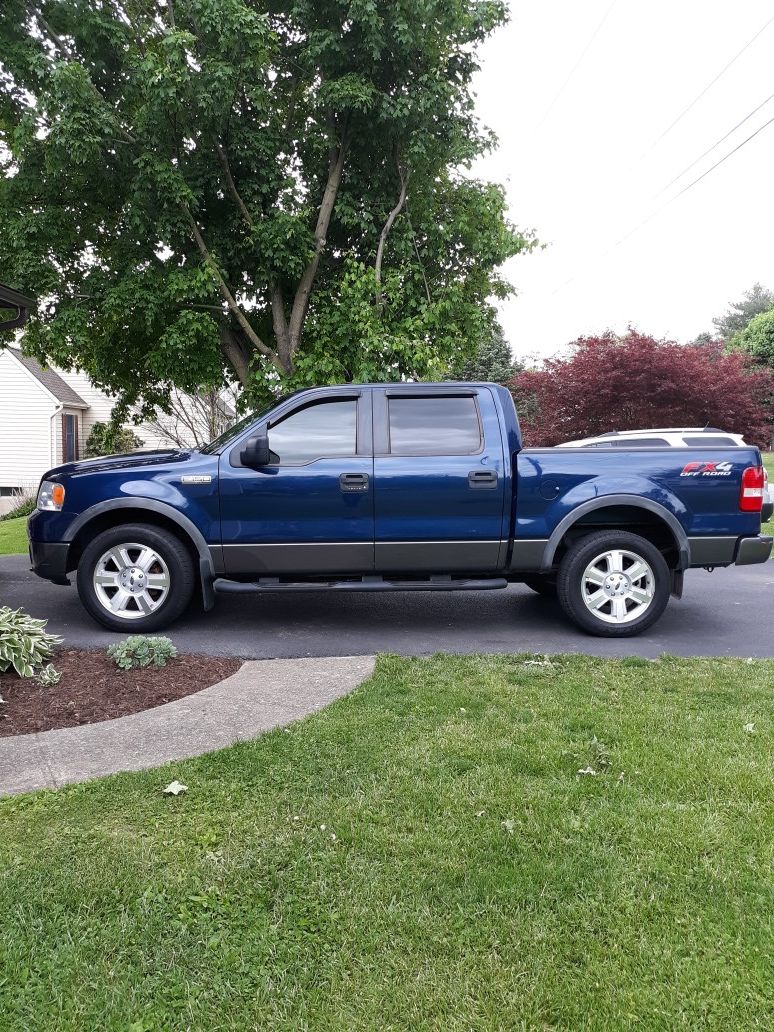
x: 438, y: 480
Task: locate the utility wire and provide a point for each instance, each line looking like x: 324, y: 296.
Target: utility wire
x: 576, y: 66
x: 725, y: 158
x: 666, y: 204
x: 708, y: 87
x: 716, y: 144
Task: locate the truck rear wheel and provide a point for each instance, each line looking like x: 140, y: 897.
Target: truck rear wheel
x: 135, y: 578
x: 613, y: 584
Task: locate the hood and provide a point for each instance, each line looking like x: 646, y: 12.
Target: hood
x: 130, y: 460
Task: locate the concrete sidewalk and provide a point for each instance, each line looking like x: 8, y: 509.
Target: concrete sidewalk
x: 259, y: 696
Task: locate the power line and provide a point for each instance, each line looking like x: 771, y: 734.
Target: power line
x: 716, y: 144
x: 709, y: 86
x: 666, y: 204
x: 576, y: 66
x: 725, y: 158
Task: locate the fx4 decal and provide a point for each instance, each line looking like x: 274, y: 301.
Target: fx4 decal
x: 708, y: 469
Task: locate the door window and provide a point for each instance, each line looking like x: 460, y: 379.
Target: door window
x: 434, y: 426
x: 316, y: 432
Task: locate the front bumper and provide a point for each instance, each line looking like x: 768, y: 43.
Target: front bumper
x: 49, y: 560
x: 754, y: 550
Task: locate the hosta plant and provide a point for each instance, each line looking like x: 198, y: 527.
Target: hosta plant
x: 49, y: 676
x: 24, y: 644
x: 141, y: 651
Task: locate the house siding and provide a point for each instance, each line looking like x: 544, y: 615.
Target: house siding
x: 25, y: 426
x: 100, y: 405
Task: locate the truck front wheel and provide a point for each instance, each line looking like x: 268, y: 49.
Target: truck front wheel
x: 135, y: 578
x: 613, y: 584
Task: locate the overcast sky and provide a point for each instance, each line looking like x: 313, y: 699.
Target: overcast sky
x: 582, y: 166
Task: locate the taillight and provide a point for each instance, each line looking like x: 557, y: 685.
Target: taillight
x: 751, y: 493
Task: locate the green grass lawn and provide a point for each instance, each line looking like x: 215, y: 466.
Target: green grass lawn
x: 422, y: 855
x: 13, y: 537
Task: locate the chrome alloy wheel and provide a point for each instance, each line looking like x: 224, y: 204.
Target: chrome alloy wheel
x: 131, y: 581
x: 618, y: 586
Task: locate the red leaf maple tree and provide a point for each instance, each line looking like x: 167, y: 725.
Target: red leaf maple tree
x: 635, y: 382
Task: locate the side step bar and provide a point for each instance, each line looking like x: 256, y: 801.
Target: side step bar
x: 273, y: 584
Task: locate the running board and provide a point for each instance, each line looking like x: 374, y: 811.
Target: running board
x: 273, y: 584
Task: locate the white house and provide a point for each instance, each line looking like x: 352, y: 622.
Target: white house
x: 46, y: 416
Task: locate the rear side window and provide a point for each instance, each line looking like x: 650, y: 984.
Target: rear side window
x: 706, y: 441
x: 434, y: 426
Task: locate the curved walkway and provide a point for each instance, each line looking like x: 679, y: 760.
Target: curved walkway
x: 259, y: 696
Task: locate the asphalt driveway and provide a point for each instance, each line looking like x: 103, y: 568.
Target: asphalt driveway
x: 727, y: 613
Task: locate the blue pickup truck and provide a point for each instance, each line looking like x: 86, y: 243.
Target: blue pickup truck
x: 422, y: 487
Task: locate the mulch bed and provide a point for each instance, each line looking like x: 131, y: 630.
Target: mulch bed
x: 93, y: 688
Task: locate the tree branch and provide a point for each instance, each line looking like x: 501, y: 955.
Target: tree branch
x: 228, y: 297
x: 301, y: 300
x: 232, y: 185
x: 404, y: 179
x: 280, y: 322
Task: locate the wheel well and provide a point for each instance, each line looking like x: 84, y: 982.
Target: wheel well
x: 631, y: 518
x: 118, y: 517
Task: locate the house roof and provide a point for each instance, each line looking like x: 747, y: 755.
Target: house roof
x: 10, y: 298
x: 52, y: 381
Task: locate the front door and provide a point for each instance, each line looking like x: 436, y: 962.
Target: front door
x: 439, y: 480
x: 310, y: 511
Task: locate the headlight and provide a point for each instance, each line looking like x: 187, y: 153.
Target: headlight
x: 51, y: 496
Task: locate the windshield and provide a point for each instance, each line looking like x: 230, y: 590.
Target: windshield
x: 234, y: 431
x: 242, y: 424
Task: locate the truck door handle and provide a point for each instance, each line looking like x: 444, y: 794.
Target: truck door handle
x: 353, y: 482
x: 482, y: 479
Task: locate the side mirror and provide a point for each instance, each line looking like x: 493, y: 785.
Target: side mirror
x: 256, y: 453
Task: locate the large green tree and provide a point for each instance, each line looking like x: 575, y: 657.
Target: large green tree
x: 757, y: 339
x: 754, y: 301
x: 269, y: 190
x: 493, y: 360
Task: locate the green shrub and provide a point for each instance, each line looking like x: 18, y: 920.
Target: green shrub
x: 24, y: 504
x: 24, y: 645
x: 49, y: 676
x: 106, y: 439
x: 141, y: 651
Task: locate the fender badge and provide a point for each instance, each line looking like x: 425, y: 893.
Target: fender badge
x: 196, y: 478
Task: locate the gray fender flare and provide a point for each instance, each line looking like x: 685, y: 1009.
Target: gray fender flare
x: 604, y: 502
x: 206, y: 566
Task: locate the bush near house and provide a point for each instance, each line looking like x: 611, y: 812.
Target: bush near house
x: 107, y: 439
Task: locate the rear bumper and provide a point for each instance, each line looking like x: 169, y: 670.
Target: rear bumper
x: 754, y: 550
x: 49, y: 560
x: 725, y: 551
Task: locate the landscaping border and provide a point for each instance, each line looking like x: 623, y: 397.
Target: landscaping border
x: 261, y: 695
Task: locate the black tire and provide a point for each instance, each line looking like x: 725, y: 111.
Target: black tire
x: 543, y: 584
x: 570, y: 583
x: 180, y: 570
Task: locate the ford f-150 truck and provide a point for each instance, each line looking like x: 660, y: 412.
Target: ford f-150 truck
x: 421, y: 487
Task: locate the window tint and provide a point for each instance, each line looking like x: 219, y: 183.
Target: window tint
x: 329, y: 428
x: 434, y: 426
x: 707, y: 441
